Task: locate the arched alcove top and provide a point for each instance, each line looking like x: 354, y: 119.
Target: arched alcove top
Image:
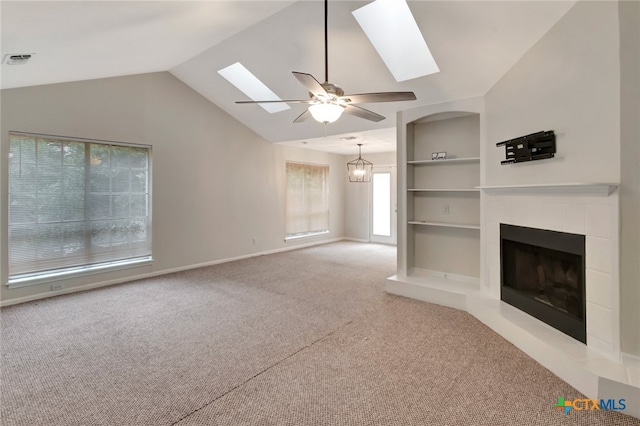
x: 444, y: 116
x: 441, y: 111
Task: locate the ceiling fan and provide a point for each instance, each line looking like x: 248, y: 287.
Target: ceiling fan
x: 327, y: 101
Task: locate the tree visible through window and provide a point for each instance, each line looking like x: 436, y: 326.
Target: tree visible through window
x: 75, y: 203
x: 307, y: 205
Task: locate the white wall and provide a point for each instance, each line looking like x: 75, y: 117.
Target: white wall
x: 216, y: 184
x: 356, y: 203
x: 568, y: 82
x: 630, y: 162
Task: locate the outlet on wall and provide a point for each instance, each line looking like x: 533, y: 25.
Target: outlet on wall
x: 56, y: 287
x: 446, y: 209
x: 254, y: 241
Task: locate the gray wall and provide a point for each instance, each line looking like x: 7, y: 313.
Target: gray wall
x: 216, y: 184
x: 581, y: 80
x: 568, y: 82
x: 630, y: 162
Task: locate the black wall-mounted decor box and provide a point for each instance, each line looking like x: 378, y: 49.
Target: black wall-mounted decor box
x: 535, y: 146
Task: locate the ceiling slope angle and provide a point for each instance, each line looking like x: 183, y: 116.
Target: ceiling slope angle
x: 473, y: 42
x: 293, y: 40
x: 100, y: 39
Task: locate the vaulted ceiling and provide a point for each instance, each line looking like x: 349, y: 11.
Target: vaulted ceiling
x: 473, y: 42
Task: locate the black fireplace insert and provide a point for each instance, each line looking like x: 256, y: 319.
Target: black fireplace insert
x: 543, y: 274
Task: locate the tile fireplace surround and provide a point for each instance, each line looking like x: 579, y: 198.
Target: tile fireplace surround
x: 595, y: 216
x: 598, y: 369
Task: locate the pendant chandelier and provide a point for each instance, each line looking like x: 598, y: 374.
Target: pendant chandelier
x: 360, y: 170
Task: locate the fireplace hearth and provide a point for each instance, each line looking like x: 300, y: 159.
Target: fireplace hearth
x: 542, y: 274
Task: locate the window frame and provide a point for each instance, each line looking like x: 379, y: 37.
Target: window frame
x: 68, y: 272
x: 312, y: 233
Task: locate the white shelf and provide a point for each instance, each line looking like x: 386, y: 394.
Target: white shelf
x: 444, y: 224
x: 444, y: 190
x: 448, y: 160
x: 595, y: 189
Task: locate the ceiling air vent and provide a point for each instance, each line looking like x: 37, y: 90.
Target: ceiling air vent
x: 16, y: 59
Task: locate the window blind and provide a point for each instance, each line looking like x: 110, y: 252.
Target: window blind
x: 76, y: 203
x: 307, y: 200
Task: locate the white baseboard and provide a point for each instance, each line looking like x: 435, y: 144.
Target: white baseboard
x: 357, y: 240
x: 91, y: 286
x: 631, y: 360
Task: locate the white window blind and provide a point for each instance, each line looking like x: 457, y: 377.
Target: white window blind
x: 75, y: 203
x: 307, y: 203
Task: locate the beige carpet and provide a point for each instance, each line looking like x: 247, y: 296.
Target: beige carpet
x: 299, y: 338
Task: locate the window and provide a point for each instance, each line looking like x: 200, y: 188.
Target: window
x: 307, y: 205
x: 76, y: 204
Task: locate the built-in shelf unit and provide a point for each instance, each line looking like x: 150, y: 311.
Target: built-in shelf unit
x: 439, y: 200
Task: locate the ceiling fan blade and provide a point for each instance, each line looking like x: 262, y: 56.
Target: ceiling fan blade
x: 310, y: 83
x: 288, y: 101
x: 302, y: 117
x: 366, y: 98
x: 363, y: 113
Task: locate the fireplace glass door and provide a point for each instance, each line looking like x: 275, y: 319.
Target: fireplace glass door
x: 543, y: 275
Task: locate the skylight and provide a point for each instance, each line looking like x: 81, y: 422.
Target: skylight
x: 251, y: 86
x: 394, y: 33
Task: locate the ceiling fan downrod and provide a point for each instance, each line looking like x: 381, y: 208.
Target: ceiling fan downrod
x: 326, y: 42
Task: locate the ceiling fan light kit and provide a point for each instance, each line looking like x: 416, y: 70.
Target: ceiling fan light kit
x: 326, y: 112
x: 327, y: 101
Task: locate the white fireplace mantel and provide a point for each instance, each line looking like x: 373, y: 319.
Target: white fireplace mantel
x: 593, y: 189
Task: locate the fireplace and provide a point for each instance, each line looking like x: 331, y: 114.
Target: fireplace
x: 543, y: 274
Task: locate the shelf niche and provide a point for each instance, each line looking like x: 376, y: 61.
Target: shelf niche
x: 442, y: 197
